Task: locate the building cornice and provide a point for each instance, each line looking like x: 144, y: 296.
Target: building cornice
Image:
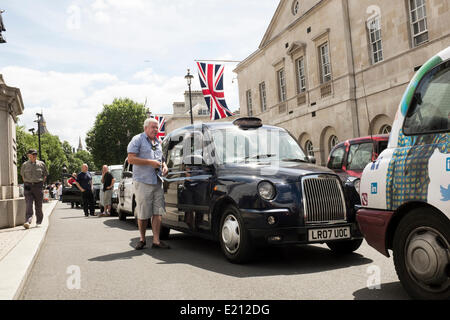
x: 265, y: 42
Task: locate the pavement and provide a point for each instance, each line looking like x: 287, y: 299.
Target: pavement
x: 18, y: 250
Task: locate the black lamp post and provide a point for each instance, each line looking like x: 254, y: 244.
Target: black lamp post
x: 189, y: 78
x: 39, y: 120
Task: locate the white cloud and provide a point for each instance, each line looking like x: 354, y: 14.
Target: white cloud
x: 71, y: 101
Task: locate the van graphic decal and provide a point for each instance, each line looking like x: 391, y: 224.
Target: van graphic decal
x: 445, y: 192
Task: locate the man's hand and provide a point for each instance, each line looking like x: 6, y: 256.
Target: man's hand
x: 165, y: 170
x: 155, y: 164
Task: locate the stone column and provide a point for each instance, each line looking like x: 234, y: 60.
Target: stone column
x: 12, y: 206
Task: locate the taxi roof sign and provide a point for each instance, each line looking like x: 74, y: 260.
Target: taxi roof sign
x: 248, y: 123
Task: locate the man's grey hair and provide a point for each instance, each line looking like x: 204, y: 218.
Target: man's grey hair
x: 148, y: 121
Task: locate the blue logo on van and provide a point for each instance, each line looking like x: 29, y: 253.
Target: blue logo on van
x: 448, y: 164
x: 374, y: 188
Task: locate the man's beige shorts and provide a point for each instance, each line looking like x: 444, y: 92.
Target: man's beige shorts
x: 149, y: 200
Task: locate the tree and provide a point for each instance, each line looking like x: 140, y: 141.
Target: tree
x: 83, y: 156
x: 114, y: 127
x: 73, y: 163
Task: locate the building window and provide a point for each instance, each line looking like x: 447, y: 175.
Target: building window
x: 249, y: 103
x: 282, y: 85
x: 262, y: 95
x: 386, y: 129
x: 418, y: 18
x: 376, y: 45
x: 203, y: 112
x: 309, y: 147
x: 325, y: 66
x: 301, y: 77
x: 332, y: 142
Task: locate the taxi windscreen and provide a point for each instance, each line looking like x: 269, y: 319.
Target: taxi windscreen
x: 233, y: 145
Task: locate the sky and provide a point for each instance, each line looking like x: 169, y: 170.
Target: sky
x: 70, y: 57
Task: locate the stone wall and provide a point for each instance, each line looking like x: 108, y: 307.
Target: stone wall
x: 12, y: 206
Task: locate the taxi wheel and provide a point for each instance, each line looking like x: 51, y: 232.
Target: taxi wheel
x: 233, y: 237
x: 422, y: 254
x: 345, y: 247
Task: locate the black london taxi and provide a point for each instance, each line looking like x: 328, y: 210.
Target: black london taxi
x: 246, y: 184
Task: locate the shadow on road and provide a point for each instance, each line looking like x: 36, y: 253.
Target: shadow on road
x: 388, y: 291
x: 270, y: 261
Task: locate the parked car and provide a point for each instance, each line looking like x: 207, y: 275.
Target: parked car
x: 349, y: 158
x: 70, y: 193
x: 116, y: 171
x: 405, y: 193
x: 247, y: 185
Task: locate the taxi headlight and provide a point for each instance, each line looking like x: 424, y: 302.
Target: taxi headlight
x: 266, y: 190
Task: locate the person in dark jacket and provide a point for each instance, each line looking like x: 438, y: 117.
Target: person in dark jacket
x: 84, y: 183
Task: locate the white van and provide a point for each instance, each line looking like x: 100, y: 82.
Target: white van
x: 405, y: 193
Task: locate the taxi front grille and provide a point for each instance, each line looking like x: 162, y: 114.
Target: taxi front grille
x: 323, y: 199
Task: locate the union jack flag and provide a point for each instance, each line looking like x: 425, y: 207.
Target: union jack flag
x: 161, y: 128
x: 211, y: 81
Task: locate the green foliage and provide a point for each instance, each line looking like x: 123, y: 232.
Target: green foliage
x: 114, y: 127
x: 83, y: 156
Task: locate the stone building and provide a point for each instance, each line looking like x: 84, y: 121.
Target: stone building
x: 12, y: 205
x: 330, y: 70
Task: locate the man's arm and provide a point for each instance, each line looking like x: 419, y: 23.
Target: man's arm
x: 133, y: 159
x: 112, y: 184
x: 79, y: 186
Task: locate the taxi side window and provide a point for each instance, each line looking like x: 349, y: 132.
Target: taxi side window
x: 175, y: 153
x: 336, y: 158
x: 429, y: 111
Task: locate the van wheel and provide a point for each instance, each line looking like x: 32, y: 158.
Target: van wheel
x: 234, y: 238
x: 164, y: 233
x: 345, y: 247
x: 422, y: 254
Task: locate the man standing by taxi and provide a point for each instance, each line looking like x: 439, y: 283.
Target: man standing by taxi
x: 34, y: 173
x: 145, y: 154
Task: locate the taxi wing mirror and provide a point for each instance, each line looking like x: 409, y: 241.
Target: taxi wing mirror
x: 311, y: 159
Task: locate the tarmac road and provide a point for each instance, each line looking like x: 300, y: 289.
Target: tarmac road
x: 94, y: 258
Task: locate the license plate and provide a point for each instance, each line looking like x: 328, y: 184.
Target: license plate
x: 329, y: 234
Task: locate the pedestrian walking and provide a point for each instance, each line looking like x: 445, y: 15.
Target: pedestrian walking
x: 108, y: 186
x: 34, y: 173
x: 145, y: 154
x: 84, y: 183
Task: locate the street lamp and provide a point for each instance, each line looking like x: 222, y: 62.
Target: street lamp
x: 189, y: 78
x: 39, y: 120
